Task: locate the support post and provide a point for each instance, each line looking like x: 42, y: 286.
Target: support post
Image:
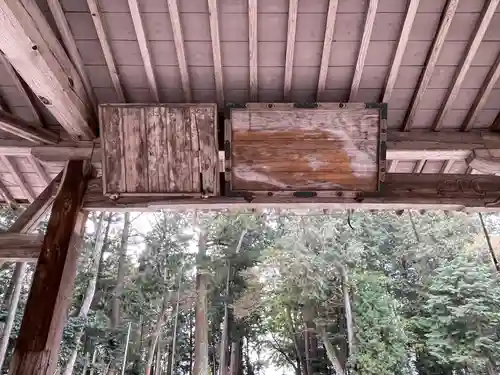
x: 40, y: 335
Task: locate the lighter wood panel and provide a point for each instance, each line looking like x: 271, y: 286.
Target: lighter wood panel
x: 327, y: 47
x: 287, y: 150
x: 290, y: 47
x: 113, y: 153
x: 253, y: 48
x: 157, y: 153
x: 209, y: 154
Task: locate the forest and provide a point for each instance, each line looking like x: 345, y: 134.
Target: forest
x: 276, y: 292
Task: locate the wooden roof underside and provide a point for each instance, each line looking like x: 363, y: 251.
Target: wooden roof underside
x: 435, y: 62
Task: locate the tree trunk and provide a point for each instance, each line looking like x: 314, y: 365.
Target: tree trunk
x: 115, y: 315
x: 191, y: 346
x: 331, y: 352
x: 347, y: 309
x: 92, y: 363
x: 235, y: 358
x: 158, y: 360
x: 201, y: 366
x: 156, y: 334
x: 90, y: 290
x: 17, y: 279
x: 170, y: 361
x: 176, y: 321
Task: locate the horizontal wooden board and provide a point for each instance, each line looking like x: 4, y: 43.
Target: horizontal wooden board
x: 292, y: 149
x: 166, y: 149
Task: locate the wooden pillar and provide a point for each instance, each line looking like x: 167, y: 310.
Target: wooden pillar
x: 45, y: 314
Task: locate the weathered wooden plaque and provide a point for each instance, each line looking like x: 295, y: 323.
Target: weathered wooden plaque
x: 322, y: 149
x: 159, y: 149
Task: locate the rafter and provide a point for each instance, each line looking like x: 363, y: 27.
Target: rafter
x: 32, y: 48
x: 327, y: 47
x: 419, y: 166
x: 363, y: 49
x: 483, y: 95
x: 411, y: 12
x: 144, y: 48
x: 106, y: 48
x: 39, y: 169
x: 7, y: 196
x: 473, y: 46
x: 425, y: 77
x: 252, y: 49
x: 447, y: 165
x: 21, y: 88
x: 393, y: 165
x: 214, y: 32
x: 18, y: 177
x: 290, y: 47
x: 70, y: 44
x: 18, y: 127
x: 173, y: 10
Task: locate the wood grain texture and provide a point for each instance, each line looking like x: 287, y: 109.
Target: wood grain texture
x: 18, y: 177
x: 485, y: 161
x: 106, y: 48
x: 32, y: 48
x: 18, y: 247
x: 290, y: 47
x: 278, y: 150
x: 411, y: 12
x: 168, y: 149
x: 447, y: 165
x: 173, y: 10
x: 135, y: 12
x: 253, y: 49
x: 7, y: 196
x: 425, y: 77
x: 111, y: 125
x: 135, y: 149
x: 71, y: 47
x: 471, y: 50
x: 363, y: 49
x: 46, y: 309
x: 17, y: 126
x: 39, y: 170
x: 483, y: 95
x: 327, y: 47
x: 214, y: 33
x: 419, y: 166
x: 401, y: 191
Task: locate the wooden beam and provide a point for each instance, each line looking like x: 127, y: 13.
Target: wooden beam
x: 496, y: 124
x: 425, y: 77
x: 485, y: 161
x: 400, y: 145
x: 23, y: 90
x: 363, y: 49
x: 31, y: 217
x: 327, y: 47
x: 400, y: 191
x: 7, y: 196
x: 17, y: 126
x: 393, y: 166
x: 214, y: 32
x: 290, y: 47
x: 39, y: 338
x: 18, y: 177
x: 72, y: 49
x: 32, y: 48
x: 483, y: 95
x: 39, y: 170
x: 411, y: 12
x: 18, y: 247
x: 144, y: 48
x: 173, y: 10
x: 419, y: 166
x: 447, y: 165
x: 106, y: 48
x: 253, y: 49
x: 473, y: 46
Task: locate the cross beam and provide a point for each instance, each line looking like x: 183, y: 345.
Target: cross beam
x: 400, y: 146
x: 400, y: 191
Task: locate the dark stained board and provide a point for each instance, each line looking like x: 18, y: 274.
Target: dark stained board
x: 280, y: 149
x: 159, y: 149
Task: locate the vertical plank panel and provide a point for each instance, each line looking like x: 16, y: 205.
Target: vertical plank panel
x: 195, y: 150
x: 112, y: 149
x: 208, y: 150
x: 170, y: 142
x: 180, y: 157
x: 136, y: 150
x: 153, y: 130
x: 165, y: 160
x: 187, y: 150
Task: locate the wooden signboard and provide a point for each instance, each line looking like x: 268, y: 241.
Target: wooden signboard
x: 325, y: 149
x: 159, y: 149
